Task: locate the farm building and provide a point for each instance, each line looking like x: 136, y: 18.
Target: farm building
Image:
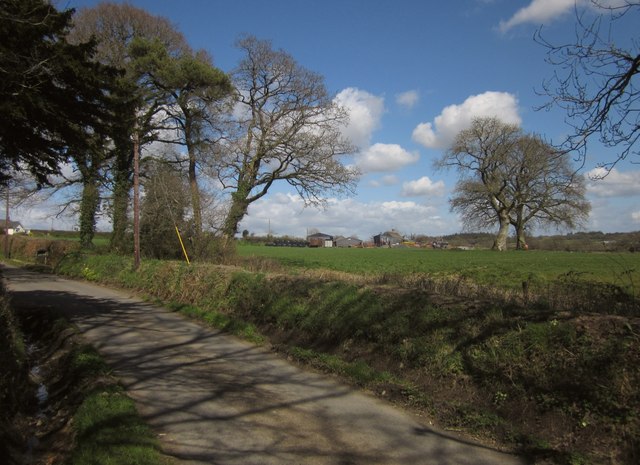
x: 388, y: 239
x: 320, y: 240
x: 348, y: 242
x: 14, y: 227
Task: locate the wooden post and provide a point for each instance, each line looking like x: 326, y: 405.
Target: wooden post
x: 7, y: 252
x: 136, y: 201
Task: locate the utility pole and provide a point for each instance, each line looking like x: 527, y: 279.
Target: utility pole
x: 136, y: 200
x: 7, y: 252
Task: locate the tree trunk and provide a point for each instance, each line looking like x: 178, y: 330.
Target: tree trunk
x: 521, y: 243
x: 120, y: 214
x: 237, y: 211
x: 196, y: 204
x: 195, y: 201
x: 199, y: 243
x: 500, y: 242
x: 88, y: 209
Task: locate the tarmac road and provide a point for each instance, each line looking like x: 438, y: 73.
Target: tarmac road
x: 215, y: 399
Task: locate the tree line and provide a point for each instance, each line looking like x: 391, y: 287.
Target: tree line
x: 97, y: 91
x: 83, y: 89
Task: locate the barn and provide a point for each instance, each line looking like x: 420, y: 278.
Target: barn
x: 348, y: 242
x: 320, y: 240
x: 388, y: 239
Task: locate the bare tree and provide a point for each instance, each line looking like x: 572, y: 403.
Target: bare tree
x: 481, y: 154
x: 115, y: 25
x: 511, y: 178
x: 288, y: 129
x: 163, y: 210
x: 596, y: 80
x: 546, y: 188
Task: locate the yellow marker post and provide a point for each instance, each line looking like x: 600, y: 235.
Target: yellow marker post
x: 184, y: 251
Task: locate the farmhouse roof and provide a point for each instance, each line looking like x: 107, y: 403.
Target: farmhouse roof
x: 393, y: 233
x: 12, y: 224
x: 319, y: 236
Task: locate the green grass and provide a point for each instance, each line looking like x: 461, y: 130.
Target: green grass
x: 109, y: 430
x: 100, y: 239
x: 358, y: 372
x: 505, y: 269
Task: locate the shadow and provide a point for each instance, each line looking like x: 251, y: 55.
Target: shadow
x: 214, y: 399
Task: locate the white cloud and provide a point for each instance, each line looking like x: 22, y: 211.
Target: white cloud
x: 408, y: 99
x: 455, y: 118
x: 635, y: 216
x: 542, y: 11
x: 423, y: 187
x: 285, y: 215
x: 613, y: 184
x: 537, y: 12
x: 365, y: 112
x: 384, y: 157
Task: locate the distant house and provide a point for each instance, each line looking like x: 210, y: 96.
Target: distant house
x: 388, y: 239
x: 320, y: 240
x: 348, y: 242
x: 14, y: 227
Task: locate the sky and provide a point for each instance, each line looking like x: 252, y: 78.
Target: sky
x: 412, y: 74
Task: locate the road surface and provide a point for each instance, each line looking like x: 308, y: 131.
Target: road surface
x: 215, y: 399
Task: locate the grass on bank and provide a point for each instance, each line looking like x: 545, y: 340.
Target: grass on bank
x: 108, y: 429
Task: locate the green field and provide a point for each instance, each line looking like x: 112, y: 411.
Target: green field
x: 504, y: 269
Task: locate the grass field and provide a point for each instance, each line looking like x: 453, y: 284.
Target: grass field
x: 506, y: 269
x: 101, y: 239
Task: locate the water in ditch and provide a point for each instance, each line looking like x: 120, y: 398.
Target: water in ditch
x: 41, y: 398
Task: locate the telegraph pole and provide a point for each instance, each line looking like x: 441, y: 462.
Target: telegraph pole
x: 136, y: 200
x: 7, y: 252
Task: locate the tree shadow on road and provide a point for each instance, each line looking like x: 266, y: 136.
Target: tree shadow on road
x: 212, y: 398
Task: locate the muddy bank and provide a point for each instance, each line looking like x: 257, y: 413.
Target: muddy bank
x: 40, y: 429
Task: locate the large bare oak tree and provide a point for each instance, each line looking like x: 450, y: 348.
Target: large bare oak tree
x: 287, y: 128
x: 512, y: 179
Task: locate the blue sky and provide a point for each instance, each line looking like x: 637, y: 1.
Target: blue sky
x: 413, y: 73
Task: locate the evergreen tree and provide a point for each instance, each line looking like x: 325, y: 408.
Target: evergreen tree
x: 53, y: 97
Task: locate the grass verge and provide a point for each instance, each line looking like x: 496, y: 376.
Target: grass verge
x: 107, y: 427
